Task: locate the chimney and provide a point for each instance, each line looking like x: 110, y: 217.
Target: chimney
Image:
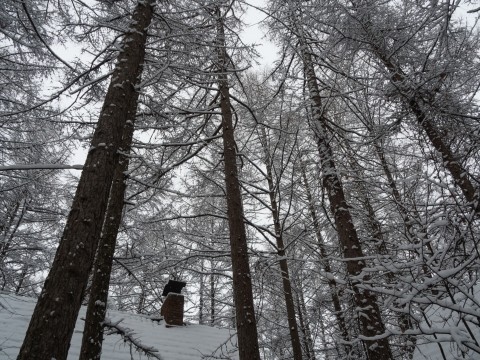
x: 172, y: 308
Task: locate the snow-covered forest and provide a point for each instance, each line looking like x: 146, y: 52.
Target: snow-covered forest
x: 326, y: 206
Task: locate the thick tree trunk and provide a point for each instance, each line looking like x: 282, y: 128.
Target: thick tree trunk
x: 97, y: 305
x: 53, y: 320
x: 242, y: 282
x: 287, y: 286
x: 370, y: 320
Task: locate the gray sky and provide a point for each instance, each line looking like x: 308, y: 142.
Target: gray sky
x: 254, y: 34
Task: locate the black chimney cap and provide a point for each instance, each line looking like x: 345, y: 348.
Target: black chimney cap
x: 173, y: 286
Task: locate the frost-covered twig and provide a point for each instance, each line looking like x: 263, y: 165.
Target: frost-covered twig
x: 128, y: 335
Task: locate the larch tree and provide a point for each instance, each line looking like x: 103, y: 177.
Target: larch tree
x: 63, y: 290
x: 242, y: 282
x: 33, y: 142
x: 429, y: 90
x: 364, y: 153
x: 275, y: 155
x: 324, y: 260
x: 428, y: 70
x: 97, y: 303
x: 372, y: 327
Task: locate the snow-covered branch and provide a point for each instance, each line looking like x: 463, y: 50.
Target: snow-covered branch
x: 128, y: 336
x: 40, y: 167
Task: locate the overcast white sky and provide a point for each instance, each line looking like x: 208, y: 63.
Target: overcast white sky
x: 254, y: 34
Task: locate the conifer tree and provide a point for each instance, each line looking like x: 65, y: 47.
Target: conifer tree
x: 51, y: 326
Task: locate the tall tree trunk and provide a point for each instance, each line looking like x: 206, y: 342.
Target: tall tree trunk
x: 375, y: 229
x: 324, y: 337
x: 408, y: 220
x: 212, y: 294
x: 97, y: 305
x: 370, y: 320
x: 142, y: 297
x: 417, y: 106
x: 23, y: 276
x: 332, y: 285
x: 51, y: 327
x: 10, y: 230
x: 287, y: 286
x: 201, y: 301
x: 6, y: 225
x: 242, y: 283
x: 304, y: 326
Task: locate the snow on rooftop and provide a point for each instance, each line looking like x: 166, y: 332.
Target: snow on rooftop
x: 179, y: 343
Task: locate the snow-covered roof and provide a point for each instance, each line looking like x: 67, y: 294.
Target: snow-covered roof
x: 177, y: 343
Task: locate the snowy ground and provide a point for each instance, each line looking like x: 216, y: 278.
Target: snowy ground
x: 184, y: 343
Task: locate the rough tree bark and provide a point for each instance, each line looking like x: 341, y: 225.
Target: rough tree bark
x: 242, y: 283
x: 370, y: 320
x: 96, y: 309
x: 97, y: 304
x: 51, y: 327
